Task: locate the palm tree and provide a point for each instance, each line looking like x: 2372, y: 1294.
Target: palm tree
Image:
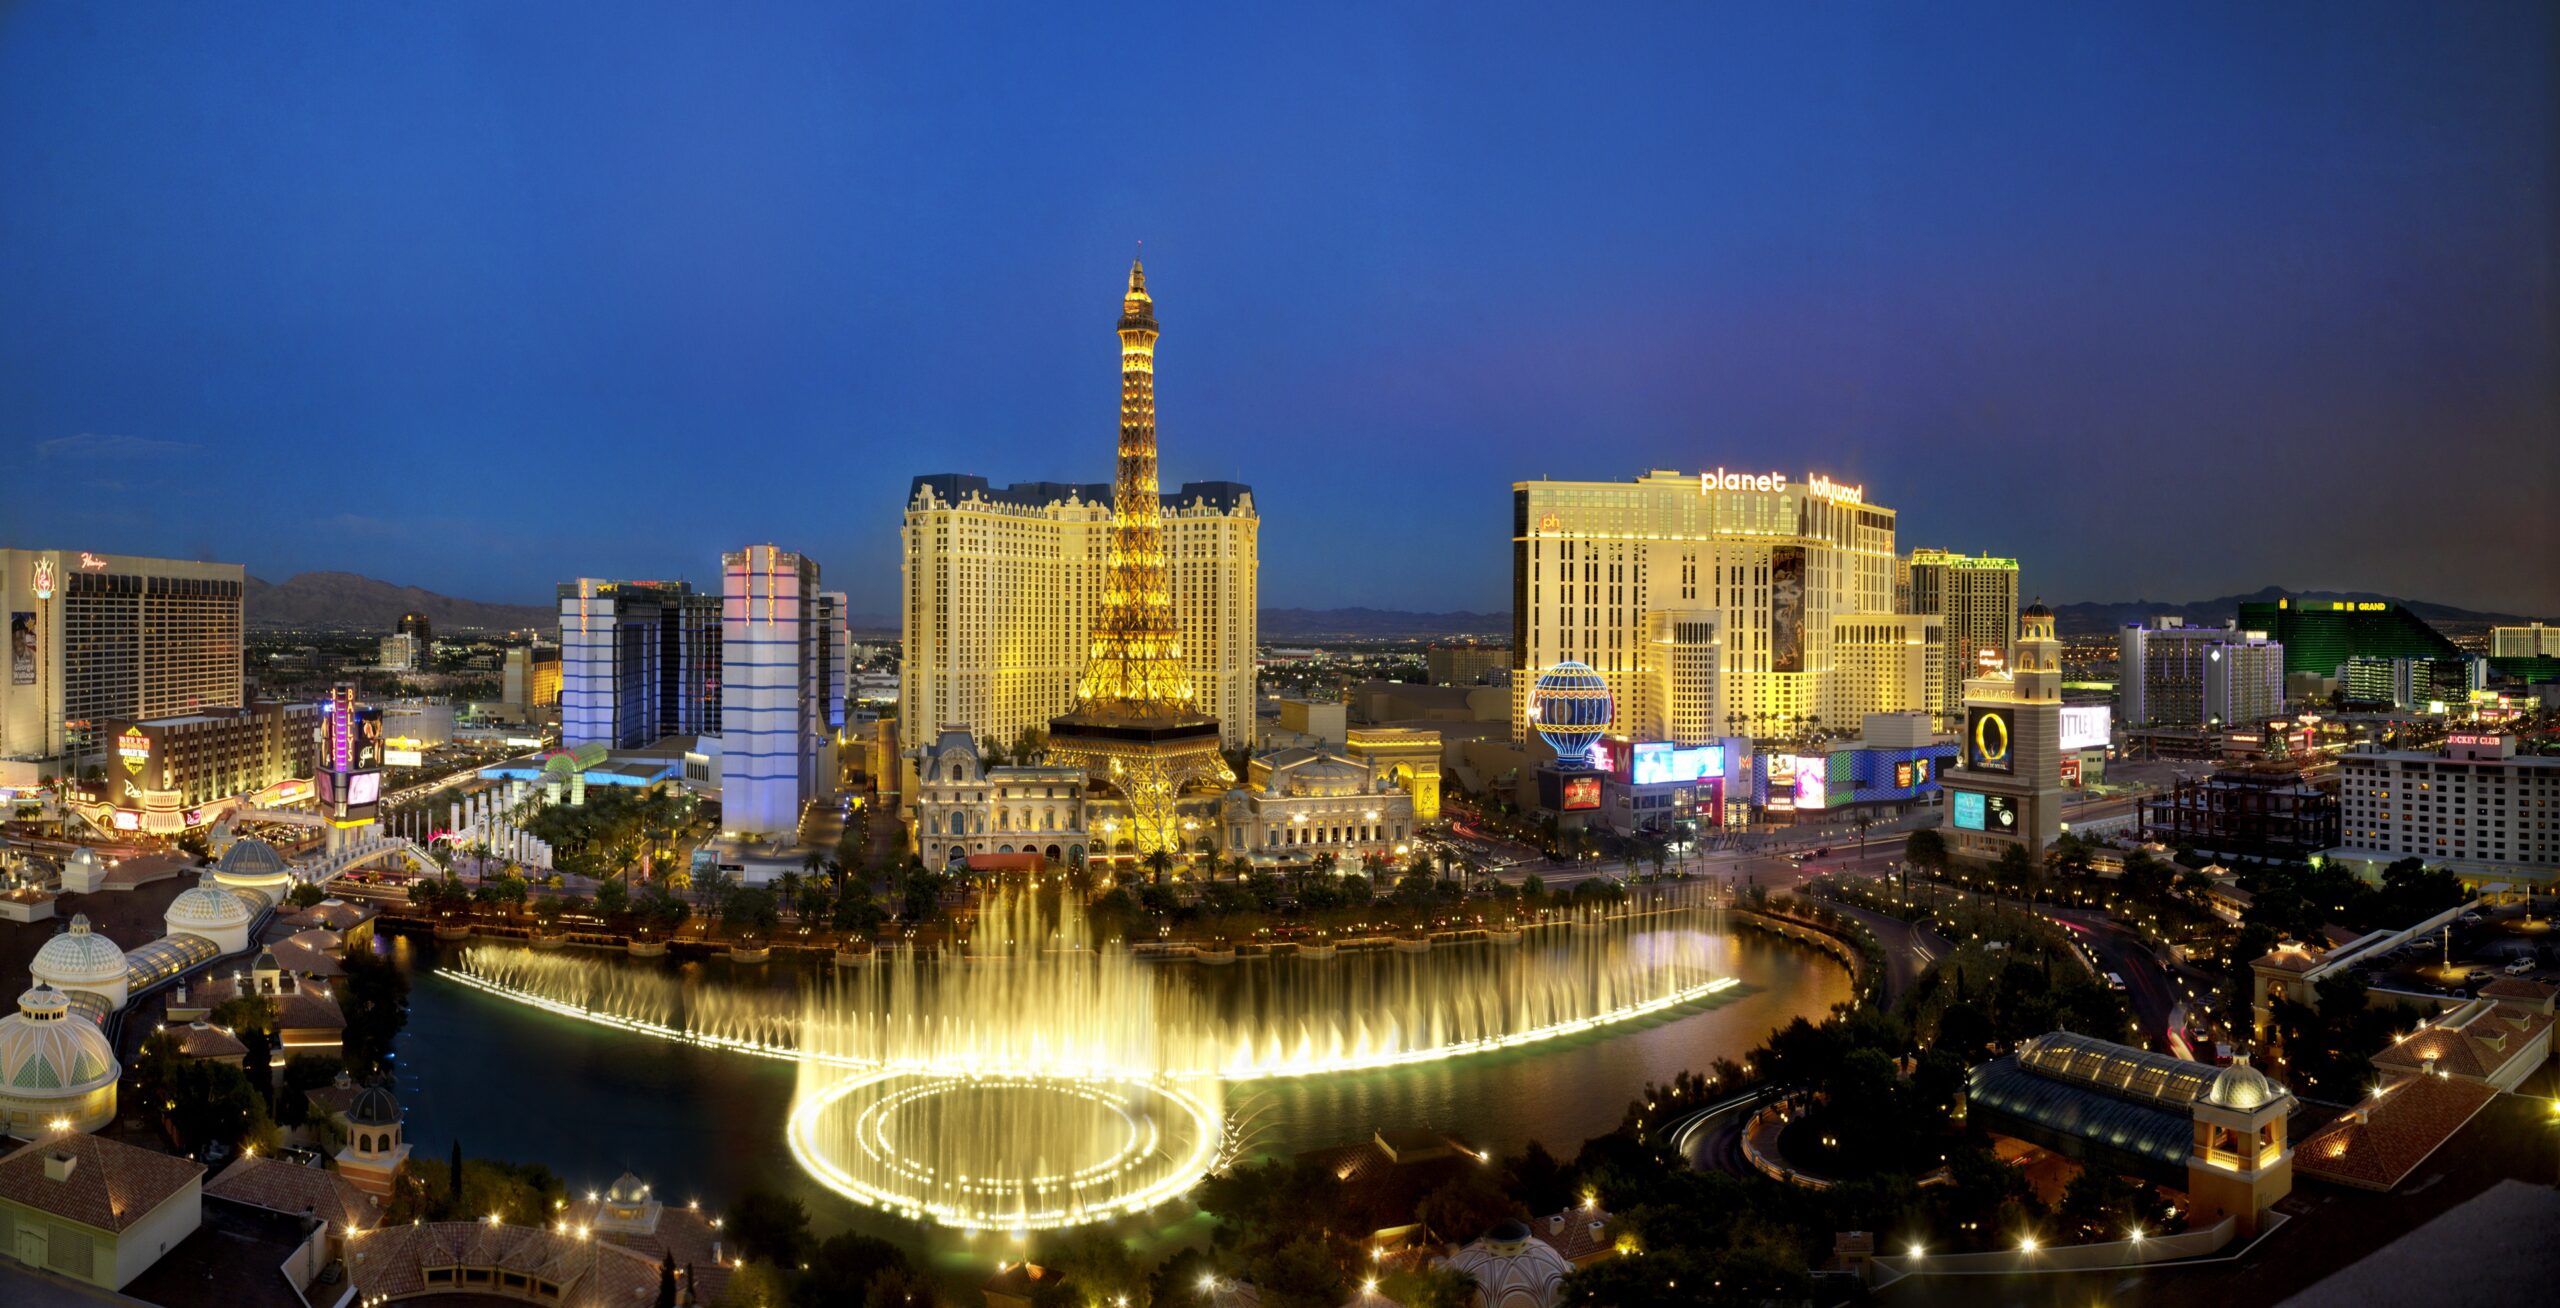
x: 788, y: 884
x: 1159, y: 863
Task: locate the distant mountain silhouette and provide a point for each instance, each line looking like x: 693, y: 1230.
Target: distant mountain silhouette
x: 1302, y: 623
x: 343, y: 601
x: 2102, y: 616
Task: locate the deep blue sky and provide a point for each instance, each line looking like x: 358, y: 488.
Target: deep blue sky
x: 483, y: 296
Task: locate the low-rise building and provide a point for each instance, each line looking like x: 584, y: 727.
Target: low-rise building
x: 1298, y: 803
x: 965, y: 807
x: 94, y: 1210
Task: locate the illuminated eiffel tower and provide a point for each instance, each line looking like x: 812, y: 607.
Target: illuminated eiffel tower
x: 1136, y: 726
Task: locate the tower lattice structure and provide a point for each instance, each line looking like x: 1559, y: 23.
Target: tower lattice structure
x: 1136, y: 726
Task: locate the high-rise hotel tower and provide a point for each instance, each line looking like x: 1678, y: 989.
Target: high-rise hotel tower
x: 94, y: 637
x: 1718, y: 604
x: 1001, y: 586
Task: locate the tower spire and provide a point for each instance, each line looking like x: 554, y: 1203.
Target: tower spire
x: 1136, y: 655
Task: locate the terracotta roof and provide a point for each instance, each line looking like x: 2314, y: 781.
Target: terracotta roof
x: 2291, y: 959
x: 284, y: 1187
x: 298, y: 1010
x: 111, y: 1185
x: 2477, y: 1041
x: 684, y: 1232
x: 310, y: 953
x: 333, y: 1100
x: 209, y: 1041
x: 335, y: 915
x: 2516, y: 987
x: 1577, y: 1233
x: 2397, y: 1132
x: 393, y: 1261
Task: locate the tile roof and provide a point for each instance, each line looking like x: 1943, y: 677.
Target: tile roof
x: 283, y: 1187
x: 2379, y: 1144
x: 2477, y: 1041
x: 111, y: 1185
x: 335, y: 915
x: 393, y: 1261
x: 684, y: 1232
x: 209, y: 1041
x: 2516, y: 987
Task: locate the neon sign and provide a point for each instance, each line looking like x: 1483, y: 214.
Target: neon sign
x: 1740, y: 481
x: 91, y: 563
x: 134, y: 748
x: 1823, y: 487
x: 43, y: 579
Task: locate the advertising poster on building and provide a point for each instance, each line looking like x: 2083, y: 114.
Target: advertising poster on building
x: 1987, y: 740
x: 1786, y: 608
x: 1581, y: 793
x: 22, y: 649
x: 1968, y: 810
x: 2000, y: 813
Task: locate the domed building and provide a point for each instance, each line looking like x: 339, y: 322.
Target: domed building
x: 1512, y: 1268
x: 54, y: 1068
x: 251, y: 864
x: 1298, y: 803
x: 83, y: 872
x: 374, y: 1150
x: 213, y: 912
x: 85, y: 965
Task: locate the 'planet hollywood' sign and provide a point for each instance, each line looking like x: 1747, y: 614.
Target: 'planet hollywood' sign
x: 1817, y: 485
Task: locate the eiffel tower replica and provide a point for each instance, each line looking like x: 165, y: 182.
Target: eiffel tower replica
x: 1137, y: 727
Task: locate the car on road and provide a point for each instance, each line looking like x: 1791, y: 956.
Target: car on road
x: 2115, y: 980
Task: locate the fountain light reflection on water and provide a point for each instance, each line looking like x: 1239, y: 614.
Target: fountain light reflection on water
x: 1031, y: 1078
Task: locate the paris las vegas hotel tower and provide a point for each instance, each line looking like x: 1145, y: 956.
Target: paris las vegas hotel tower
x: 1067, y: 607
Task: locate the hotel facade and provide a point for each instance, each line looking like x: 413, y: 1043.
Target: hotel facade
x: 101, y: 637
x: 1000, y: 586
x: 1718, y: 604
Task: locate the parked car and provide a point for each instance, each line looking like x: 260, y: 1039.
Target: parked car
x: 2520, y: 967
x: 2478, y: 975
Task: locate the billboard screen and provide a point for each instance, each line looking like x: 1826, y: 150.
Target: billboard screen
x: 1988, y: 739
x: 403, y: 758
x: 2000, y: 813
x: 22, y: 649
x: 1812, y: 786
x: 1580, y: 793
x: 1786, y: 608
x: 2086, y: 727
x: 364, y: 788
x: 1968, y: 809
x: 1781, y: 771
x: 1661, y: 762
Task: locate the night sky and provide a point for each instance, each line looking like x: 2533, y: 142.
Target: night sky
x: 481, y: 297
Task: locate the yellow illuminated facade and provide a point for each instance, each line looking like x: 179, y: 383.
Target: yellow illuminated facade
x: 1718, y: 604
x: 1138, y: 726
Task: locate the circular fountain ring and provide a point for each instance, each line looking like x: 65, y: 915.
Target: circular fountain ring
x: 983, y: 1152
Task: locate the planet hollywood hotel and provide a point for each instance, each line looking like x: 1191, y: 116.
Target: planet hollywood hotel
x: 1718, y: 604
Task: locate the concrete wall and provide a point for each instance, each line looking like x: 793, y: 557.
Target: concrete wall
x: 2069, y: 1257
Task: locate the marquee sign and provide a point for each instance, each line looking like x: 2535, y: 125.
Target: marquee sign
x: 1816, y: 485
x: 134, y: 749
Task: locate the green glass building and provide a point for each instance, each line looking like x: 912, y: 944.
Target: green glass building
x: 2321, y: 635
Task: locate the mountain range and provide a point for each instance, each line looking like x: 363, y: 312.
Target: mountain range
x: 2091, y: 618
x: 344, y: 601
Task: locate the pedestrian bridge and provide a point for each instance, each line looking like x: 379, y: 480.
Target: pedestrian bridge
x: 324, y: 865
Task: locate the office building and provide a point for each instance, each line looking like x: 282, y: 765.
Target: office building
x: 1976, y: 597
x: 2177, y: 676
x: 638, y: 660
x: 2411, y: 683
x: 2006, y: 788
x: 2270, y: 812
x: 1464, y: 665
x: 1714, y: 604
x: 2474, y: 806
x: 1001, y: 585
x: 414, y: 623
x: 779, y: 665
x: 2321, y: 635
x: 94, y: 637
x: 2531, y: 641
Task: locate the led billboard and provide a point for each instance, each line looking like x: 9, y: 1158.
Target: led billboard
x: 1968, y: 809
x: 22, y: 649
x: 2086, y: 727
x: 1661, y: 762
x: 1786, y: 608
x: 1812, y: 788
x: 2000, y: 813
x: 1580, y: 793
x: 1989, y: 740
x: 403, y: 758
